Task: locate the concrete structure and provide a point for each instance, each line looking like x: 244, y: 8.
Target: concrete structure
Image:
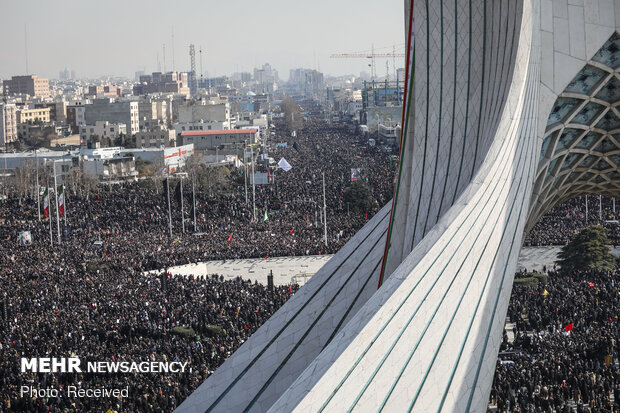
x: 156, y: 138
x: 102, y: 129
x: 114, y: 112
x: 58, y: 110
x: 497, y: 130
x: 33, y: 115
x: 152, y: 113
x: 157, y: 82
x: 75, y: 115
x: 111, y: 170
x: 27, y: 85
x: 8, y: 123
x: 104, y: 91
x: 210, y: 140
x: 205, y: 112
x: 198, y: 126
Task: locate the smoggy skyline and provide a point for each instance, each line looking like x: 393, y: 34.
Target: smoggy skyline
x: 119, y: 38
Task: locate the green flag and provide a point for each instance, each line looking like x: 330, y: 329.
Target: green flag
x: 265, y: 217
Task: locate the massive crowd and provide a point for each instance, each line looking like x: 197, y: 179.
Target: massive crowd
x: 561, y: 223
x: 564, y: 356
x: 89, y: 296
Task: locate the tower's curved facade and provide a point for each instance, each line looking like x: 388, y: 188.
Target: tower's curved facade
x: 511, y: 108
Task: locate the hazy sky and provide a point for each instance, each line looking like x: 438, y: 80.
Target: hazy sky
x: 98, y: 37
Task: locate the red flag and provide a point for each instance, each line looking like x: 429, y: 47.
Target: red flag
x: 591, y: 284
x: 365, y: 215
x: 569, y: 327
x: 266, y: 256
x: 291, y: 231
x: 290, y: 289
x: 230, y: 238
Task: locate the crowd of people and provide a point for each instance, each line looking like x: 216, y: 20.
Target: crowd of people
x: 561, y: 223
x: 564, y: 356
x: 90, y: 296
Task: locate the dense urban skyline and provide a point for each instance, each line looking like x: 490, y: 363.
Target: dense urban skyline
x: 119, y: 38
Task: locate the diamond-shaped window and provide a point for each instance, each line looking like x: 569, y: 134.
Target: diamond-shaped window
x: 588, y: 161
x: 551, y: 166
x: 567, y: 137
x: 589, y: 112
x: 569, y: 160
x: 615, y: 159
x: 602, y: 165
x: 608, y: 54
x: 588, y: 141
x: 586, y: 80
x: 561, y: 108
x: 572, y: 177
x: 606, y: 146
x: 614, y: 175
x: 609, y: 122
x: 598, y: 179
x: 610, y: 93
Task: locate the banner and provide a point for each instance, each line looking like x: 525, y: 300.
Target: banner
x: 356, y: 174
x: 285, y: 165
x: 24, y: 238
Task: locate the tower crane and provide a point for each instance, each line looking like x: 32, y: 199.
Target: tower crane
x: 372, y: 56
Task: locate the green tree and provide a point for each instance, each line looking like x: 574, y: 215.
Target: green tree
x: 357, y: 195
x: 587, y: 251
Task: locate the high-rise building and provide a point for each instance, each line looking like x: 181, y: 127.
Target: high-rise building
x: 8, y: 123
x: 114, y: 112
x: 28, y: 85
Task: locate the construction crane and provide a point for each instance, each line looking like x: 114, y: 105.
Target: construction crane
x: 372, y: 56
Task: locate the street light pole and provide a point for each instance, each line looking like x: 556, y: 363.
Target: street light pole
x: 253, y: 184
x: 56, y: 197
x: 245, y: 169
x: 324, y: 211
x: 169, y: 211
x: 182, y: 213
x: 36, y: 161
x: 194, y: 197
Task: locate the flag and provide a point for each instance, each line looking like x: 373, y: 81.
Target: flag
x: 46, y: 203
x: 284, y: 165
x: 291, y: 231
x: 265, y: 217
x: 591, y: 284
x: 61, y: 200
x: 238, y: 310
x: 230, y: 238
x: 546, y: 293
x: 569, y: 327
x: 309, y: 226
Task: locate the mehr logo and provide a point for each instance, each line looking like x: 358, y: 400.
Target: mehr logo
x: 51, y: 365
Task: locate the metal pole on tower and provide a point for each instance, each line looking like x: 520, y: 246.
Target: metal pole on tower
x: 600, y: 207
x: 586, y: 208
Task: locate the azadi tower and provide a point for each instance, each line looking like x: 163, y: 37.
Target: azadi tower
x: 511, y: 108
